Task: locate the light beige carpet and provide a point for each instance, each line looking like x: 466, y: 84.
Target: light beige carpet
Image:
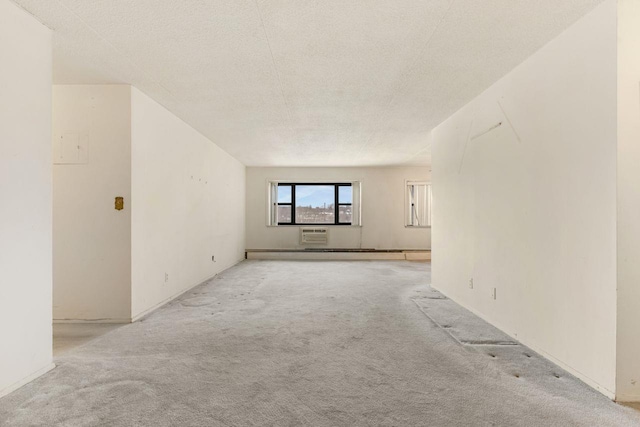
x: 285, y: 343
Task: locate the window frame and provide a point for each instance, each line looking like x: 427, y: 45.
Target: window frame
x: 336, y: 204
x: 408, y: 205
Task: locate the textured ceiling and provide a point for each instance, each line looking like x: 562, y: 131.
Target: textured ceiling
x: 304, y: 82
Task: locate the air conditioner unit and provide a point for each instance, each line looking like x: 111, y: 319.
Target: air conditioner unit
x: 314, y: 236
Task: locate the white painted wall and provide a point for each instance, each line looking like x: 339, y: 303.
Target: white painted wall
x: 530, y: 209
x: 25, y: 198
x: 91, y: 239
x: 188, y: 204
x: 628, y: 351
x: 383, y: 210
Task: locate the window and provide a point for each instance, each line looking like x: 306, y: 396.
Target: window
x: 305, y: 204
x: 418, y: 204
x: 314, y: 203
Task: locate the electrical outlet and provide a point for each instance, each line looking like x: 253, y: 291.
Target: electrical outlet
x: 166, y: 277
x: 471, y: 283
x: 494, y: 293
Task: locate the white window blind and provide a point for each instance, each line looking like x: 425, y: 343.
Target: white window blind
x: 418, y: 204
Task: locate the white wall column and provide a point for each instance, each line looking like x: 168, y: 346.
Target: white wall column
x: 628, y: 245
x: 25, y: 198
x: 524, y: 201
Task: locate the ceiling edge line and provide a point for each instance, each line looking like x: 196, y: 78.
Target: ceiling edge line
x: 116, y: 49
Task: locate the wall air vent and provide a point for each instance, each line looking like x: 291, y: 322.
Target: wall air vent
x: 314, y: 236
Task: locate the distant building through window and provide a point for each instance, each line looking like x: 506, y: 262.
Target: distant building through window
x: 309, y: 204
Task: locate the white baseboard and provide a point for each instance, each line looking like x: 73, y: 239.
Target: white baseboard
x: 326, y: 256
x: 525, y: 341
x: 582, y: 377
x: 417, y: 255
x: 628, y: 398
x: 13, y: 387
x: 340, y: 256
x: 149, y: 310
x: 163, y: 302
x: 167, y: 300
x: 91, y: 321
